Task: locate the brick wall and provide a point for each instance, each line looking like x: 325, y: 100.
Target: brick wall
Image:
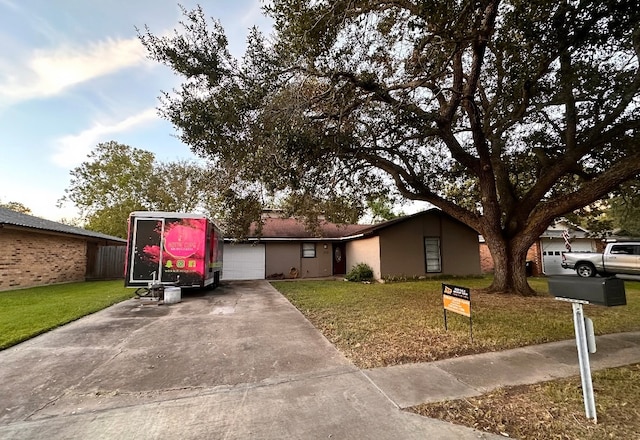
x: 32, y: 259
x: 533, y: 254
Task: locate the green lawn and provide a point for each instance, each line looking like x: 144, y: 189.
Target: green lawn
x: 26, y: 313
x: 385, y: 324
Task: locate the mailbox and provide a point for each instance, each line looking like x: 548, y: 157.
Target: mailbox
x: 602, y: 291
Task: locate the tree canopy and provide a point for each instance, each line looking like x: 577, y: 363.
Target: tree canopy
x: 16, y: 206
x: 118, y: 179
x: 504, y: 114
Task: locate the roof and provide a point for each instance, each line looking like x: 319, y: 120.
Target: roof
x: 13, y: 218
x: 370, y: 229
x: 278, y: 228
x: 293, y: 228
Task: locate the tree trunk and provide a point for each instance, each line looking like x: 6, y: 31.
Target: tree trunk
x: 509, y: 262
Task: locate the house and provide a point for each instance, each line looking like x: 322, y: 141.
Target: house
x: 545, y: 255
x: 35, y: 251
x: 423, y: 244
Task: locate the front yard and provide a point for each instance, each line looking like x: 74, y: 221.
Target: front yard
x: 377, y: 325
x: 26, y: 313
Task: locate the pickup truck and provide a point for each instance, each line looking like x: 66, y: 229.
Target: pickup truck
x: 618, y: 258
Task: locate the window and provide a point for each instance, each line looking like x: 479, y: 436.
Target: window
x: 308, y: 250
x: 432, y: 254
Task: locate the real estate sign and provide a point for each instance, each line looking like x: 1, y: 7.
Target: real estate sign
x: 457, y: 299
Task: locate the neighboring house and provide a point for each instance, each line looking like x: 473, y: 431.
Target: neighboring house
x: 35, y: 251
x: 545, y: 255
x: 423, y: 244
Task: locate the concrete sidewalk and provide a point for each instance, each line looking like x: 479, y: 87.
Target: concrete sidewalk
x: 412, y: 384
x: 242, y: 363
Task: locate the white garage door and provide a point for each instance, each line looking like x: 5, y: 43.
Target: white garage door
x: 243, y: 262
x: 552, y: 250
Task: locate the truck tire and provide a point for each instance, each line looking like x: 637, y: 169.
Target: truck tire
x: 585, y: 270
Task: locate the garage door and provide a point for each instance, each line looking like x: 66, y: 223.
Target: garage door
x: 243, y: 262
x: 552, y: 250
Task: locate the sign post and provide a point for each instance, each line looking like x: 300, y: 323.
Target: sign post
x: 458, y: 300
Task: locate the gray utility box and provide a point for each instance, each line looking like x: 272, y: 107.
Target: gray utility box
x: 602, y: 291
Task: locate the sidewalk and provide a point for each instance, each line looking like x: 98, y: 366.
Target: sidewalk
x: 412, y: 384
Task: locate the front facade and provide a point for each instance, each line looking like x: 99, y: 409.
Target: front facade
x: 424, y: 244
x: 36, y: 252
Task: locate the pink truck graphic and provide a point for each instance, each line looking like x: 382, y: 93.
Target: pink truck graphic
x: 173, y: 248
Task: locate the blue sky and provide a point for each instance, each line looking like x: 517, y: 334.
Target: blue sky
x: 73, y: 74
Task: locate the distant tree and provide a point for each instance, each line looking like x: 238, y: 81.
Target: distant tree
x: 16, y: 206
x: 381, y: 208
x: 118, y: 179
x: 504, y: 114
x: 625, y: 210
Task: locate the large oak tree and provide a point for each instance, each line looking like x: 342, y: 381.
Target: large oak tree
x: 504, y: 114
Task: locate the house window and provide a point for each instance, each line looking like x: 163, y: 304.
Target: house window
x: 308, y: 250
x: 432, y: 254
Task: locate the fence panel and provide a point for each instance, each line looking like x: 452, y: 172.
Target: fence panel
x: 108, y: 263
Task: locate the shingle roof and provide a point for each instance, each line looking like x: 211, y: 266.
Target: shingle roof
x: 292, y: 228
x: 13, y: 218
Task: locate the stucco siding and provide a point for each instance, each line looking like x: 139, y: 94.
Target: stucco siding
x: 364, y: 251
x: 459, y: 246
x: 403, y: 252
x: 320, y: 266
x: 281, y: 258
x: 30, y: 259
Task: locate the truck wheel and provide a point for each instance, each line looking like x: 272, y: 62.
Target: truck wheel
x: 585, y: 270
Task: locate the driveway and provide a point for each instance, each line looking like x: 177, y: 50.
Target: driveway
x: 239, y: 362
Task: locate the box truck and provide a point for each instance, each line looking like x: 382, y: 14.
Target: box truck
x: 172, y: 248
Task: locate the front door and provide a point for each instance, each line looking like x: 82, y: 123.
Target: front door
x: 339, y: 260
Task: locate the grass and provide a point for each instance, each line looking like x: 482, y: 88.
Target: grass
x: 377, y: 325
x: 552, y: 410
x: 26, y: 313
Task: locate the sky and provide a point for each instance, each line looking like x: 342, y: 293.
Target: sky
x: 74, y: 74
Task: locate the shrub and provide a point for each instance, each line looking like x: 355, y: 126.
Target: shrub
x: 360, y: 272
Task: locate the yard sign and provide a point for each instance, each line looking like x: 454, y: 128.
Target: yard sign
x: 458, y: 300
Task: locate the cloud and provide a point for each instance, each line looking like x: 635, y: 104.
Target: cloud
x: 49, y: 72
x: 72, y: 150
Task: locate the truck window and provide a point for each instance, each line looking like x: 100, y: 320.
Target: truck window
x: 622, y: 249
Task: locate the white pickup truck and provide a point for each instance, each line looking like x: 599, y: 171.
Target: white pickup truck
x: 618, y: 258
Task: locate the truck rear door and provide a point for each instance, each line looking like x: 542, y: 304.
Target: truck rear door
x: 146, y: 255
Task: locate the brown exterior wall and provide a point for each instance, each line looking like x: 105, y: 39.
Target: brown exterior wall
x: 280, y: 258
x: 403, y: 253
x: 33, y: 259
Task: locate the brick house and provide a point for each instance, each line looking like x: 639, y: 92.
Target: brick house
x: 35, y: 251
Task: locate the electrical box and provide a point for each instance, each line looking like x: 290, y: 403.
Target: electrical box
x: 601, y: 291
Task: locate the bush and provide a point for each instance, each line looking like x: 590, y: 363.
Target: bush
x: 360, y: 272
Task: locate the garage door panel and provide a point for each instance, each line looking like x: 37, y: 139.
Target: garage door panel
x: 552, y: 250
x: 243, y: 262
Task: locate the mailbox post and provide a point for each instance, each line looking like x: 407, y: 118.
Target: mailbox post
x: 579, y: 291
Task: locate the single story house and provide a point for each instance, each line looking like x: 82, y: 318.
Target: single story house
x: 545, y: 255
x: 424, y: 244
x: 35, y: 252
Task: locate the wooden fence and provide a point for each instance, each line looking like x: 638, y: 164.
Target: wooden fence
x: 105, y: 262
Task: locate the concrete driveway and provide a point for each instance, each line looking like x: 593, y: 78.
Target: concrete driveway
x: 239, y: 362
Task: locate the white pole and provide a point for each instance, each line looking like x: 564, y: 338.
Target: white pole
x: 583, y: 357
